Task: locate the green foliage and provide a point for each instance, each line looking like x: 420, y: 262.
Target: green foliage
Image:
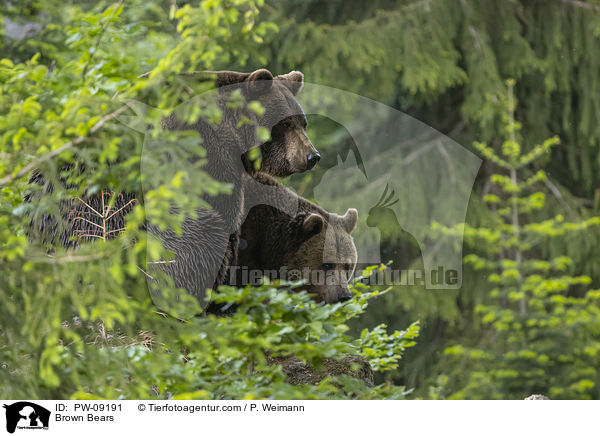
x: 540, y: 326
x: 385, y: 350
x: 79, y: 323
x: 68, y: 68
x: 445, y: 61
x: 204, y: 357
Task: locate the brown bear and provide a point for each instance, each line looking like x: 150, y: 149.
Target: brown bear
x: 227, y: 143
x: 314, y: 245
x: 208, y: 243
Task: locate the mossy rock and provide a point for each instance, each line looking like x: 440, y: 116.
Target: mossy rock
x: 301, y: 373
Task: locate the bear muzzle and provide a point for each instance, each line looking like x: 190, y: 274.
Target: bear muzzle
x: 337, y: 294
x: 312, y: 159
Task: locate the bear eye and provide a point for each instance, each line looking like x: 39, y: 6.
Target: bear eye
x: 328, y: 266
x: 287, y: 125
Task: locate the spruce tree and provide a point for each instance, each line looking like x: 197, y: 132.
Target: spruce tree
x: 539, y: 329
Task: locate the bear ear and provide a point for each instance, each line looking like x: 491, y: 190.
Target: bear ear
x: 312, y: 225
x: 294, y: 80
x: 262, y: 74
x: 349, y: 220
x: 259, y: 81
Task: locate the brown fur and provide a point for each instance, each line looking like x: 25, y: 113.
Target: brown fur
x: 310, y: 243
x: 209, y: 243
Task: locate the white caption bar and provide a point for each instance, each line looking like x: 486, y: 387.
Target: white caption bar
x: 155, y: 417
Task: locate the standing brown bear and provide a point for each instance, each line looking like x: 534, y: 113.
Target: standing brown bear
x: 208, y: 243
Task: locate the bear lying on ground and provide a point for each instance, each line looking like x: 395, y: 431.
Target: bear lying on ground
x: 314, y: 245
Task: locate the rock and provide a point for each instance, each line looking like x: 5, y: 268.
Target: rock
x: 537, y: 397
x: 300, y: 373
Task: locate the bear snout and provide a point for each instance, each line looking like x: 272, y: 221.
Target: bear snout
x: 343, y: 298
x: 344, y: 294
x: 337, y: 294
x: 312, y: 159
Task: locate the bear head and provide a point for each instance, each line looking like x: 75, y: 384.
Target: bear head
x: 324, y: 254
x: 289, y: 150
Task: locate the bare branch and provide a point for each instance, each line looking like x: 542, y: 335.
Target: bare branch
x: 89, y: 222
x: 89, y: 235
x: 66, y: 259
x: 148, y: 275
x: 121, y: 208
x: 121, y: 229
x: 90, y: 207
x: 554, y: 190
